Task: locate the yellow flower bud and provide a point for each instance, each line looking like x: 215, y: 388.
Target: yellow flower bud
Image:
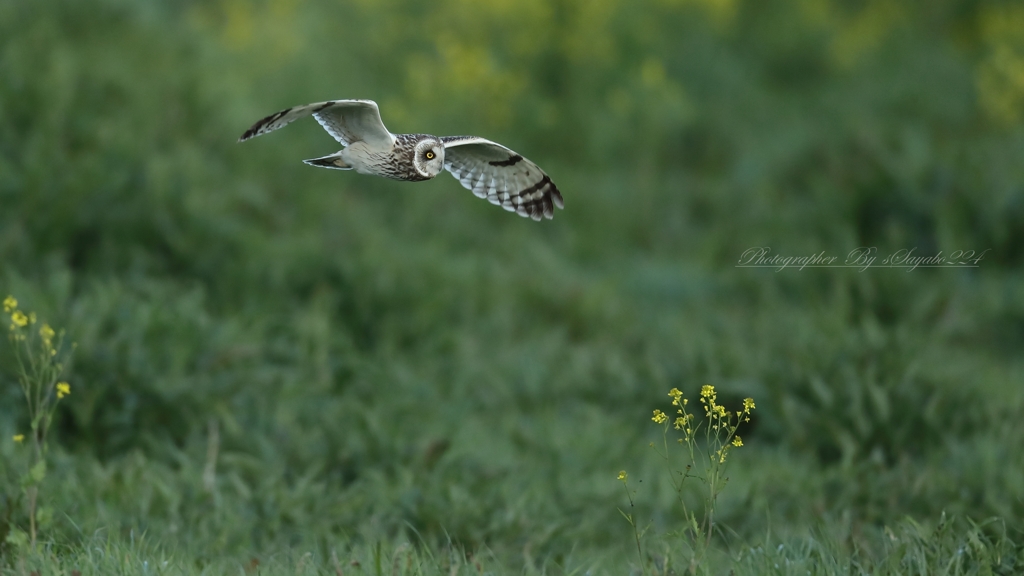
x: 19, y: 319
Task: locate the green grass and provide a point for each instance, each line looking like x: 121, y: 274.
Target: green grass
x: 947, y: 548
x: 405, y: 376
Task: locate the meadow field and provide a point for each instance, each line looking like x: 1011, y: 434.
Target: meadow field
x: 275, y: 369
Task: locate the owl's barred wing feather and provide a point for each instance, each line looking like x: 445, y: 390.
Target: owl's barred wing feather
x: 503, y: 177
x: 347, y: 121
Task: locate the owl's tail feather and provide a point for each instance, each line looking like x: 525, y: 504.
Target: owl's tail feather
x: 333, y: 161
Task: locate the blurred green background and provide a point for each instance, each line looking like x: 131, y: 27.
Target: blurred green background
x: 385, y: 361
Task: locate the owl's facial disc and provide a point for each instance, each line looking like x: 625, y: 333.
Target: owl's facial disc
x: 428, y: 157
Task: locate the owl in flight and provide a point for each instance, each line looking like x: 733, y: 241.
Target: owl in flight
x: 489, y: 169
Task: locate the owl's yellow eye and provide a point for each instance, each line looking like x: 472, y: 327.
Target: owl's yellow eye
x: 429, y: 155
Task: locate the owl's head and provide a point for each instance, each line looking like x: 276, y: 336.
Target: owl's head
x: 428, y: 157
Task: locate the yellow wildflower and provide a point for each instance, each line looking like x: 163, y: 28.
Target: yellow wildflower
x: 623, y: 475
x: 707, y: 391
x: 47, y: 333
x: 63, y: 389
x: 719, y: 411
x: 19, y: 319
x: 748, y: 404
x: 676, y: 395
x: 18, y: 438
x: 10, y: 304
x: 737, y: 441
x: 659, y: 417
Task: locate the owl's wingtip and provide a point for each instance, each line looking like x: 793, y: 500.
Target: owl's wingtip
x: 556, y: 197
x: 247, y: 135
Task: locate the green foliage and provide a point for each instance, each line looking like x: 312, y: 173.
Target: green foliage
x: 273, y: 358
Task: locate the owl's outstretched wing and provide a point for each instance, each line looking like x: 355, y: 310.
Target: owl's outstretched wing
x: 347, y: 120
x: 501, y: 176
